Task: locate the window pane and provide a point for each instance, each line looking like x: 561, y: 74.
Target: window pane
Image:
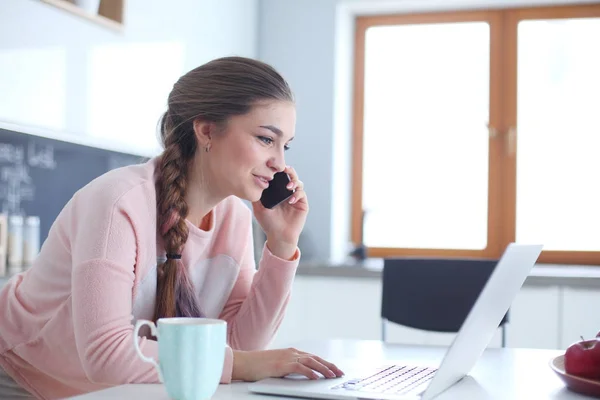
x: 425, y: 177
x: 558, y: 158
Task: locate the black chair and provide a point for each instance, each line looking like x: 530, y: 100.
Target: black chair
x: 433, y: 294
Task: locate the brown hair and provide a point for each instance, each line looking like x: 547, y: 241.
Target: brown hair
x: 213, y: 92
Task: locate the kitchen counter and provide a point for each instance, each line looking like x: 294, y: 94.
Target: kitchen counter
x: 541, y: 274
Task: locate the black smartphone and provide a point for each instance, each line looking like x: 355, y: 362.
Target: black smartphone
x: 277, y: 190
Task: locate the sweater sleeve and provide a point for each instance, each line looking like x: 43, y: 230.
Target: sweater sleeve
x: 104, y: 247
x: 257, y: 303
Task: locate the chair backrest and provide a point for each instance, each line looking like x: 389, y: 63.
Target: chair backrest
x: 433, y: 294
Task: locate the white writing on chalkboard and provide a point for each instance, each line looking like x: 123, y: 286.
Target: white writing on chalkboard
x: 41, y: 156
x: 15, y: 181
x: 16, y: 174
x: 10, y: 153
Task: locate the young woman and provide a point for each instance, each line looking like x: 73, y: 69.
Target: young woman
x: 168, y: 238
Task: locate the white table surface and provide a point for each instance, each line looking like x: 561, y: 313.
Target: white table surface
x: 499, y: 373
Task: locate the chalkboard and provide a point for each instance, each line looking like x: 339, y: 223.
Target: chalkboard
x: 38, y: 175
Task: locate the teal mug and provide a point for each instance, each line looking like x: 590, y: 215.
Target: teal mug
x: 191, y: 354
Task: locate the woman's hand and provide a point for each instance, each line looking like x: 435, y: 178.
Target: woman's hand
x: 283, y: 223
x: 252, y: 366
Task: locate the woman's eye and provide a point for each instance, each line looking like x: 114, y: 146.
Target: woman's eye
x: 266, y: 140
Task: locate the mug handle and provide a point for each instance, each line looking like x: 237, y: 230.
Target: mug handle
x: 136, y: 344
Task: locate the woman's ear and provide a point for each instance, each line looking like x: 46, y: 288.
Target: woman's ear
x: 203, y: 131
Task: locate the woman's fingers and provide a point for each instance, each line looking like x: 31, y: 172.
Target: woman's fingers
x: 297, y: 196
x: 332, y: 367
x: 295, y: 183
x: 316, y: 366
x: 291, y: 173
x: 297, y: 368
x: 329, y: 365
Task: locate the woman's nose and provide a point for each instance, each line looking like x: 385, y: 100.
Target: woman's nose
x: 277, y: 163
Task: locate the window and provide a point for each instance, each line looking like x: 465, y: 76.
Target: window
x: 476, y: 129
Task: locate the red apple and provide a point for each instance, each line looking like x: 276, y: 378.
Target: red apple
x: 583, y: 359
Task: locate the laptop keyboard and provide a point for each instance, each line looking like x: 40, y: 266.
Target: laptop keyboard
x: 397, y: 379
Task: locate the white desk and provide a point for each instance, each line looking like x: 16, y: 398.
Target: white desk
x: 499, y: 374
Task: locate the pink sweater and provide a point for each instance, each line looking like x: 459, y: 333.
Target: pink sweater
x: 66, y: 324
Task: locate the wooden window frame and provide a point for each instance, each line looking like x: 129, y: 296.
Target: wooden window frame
x: 502, y: 117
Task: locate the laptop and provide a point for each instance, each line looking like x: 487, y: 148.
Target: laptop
x: 404, y: 381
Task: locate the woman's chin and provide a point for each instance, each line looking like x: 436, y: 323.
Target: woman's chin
x: 251, y: 196
x: 256, y: 197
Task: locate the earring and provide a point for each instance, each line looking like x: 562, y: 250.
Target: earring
x: 207, y: 148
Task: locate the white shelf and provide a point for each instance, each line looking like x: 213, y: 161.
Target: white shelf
x: 77, y: 139
x: 109, y: 16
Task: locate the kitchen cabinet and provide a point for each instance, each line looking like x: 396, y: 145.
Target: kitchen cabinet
x: 327, y: 307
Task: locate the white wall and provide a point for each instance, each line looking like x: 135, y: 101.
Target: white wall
x: 311, y: 42
x: 64, y: 73
x: 296, y: 37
